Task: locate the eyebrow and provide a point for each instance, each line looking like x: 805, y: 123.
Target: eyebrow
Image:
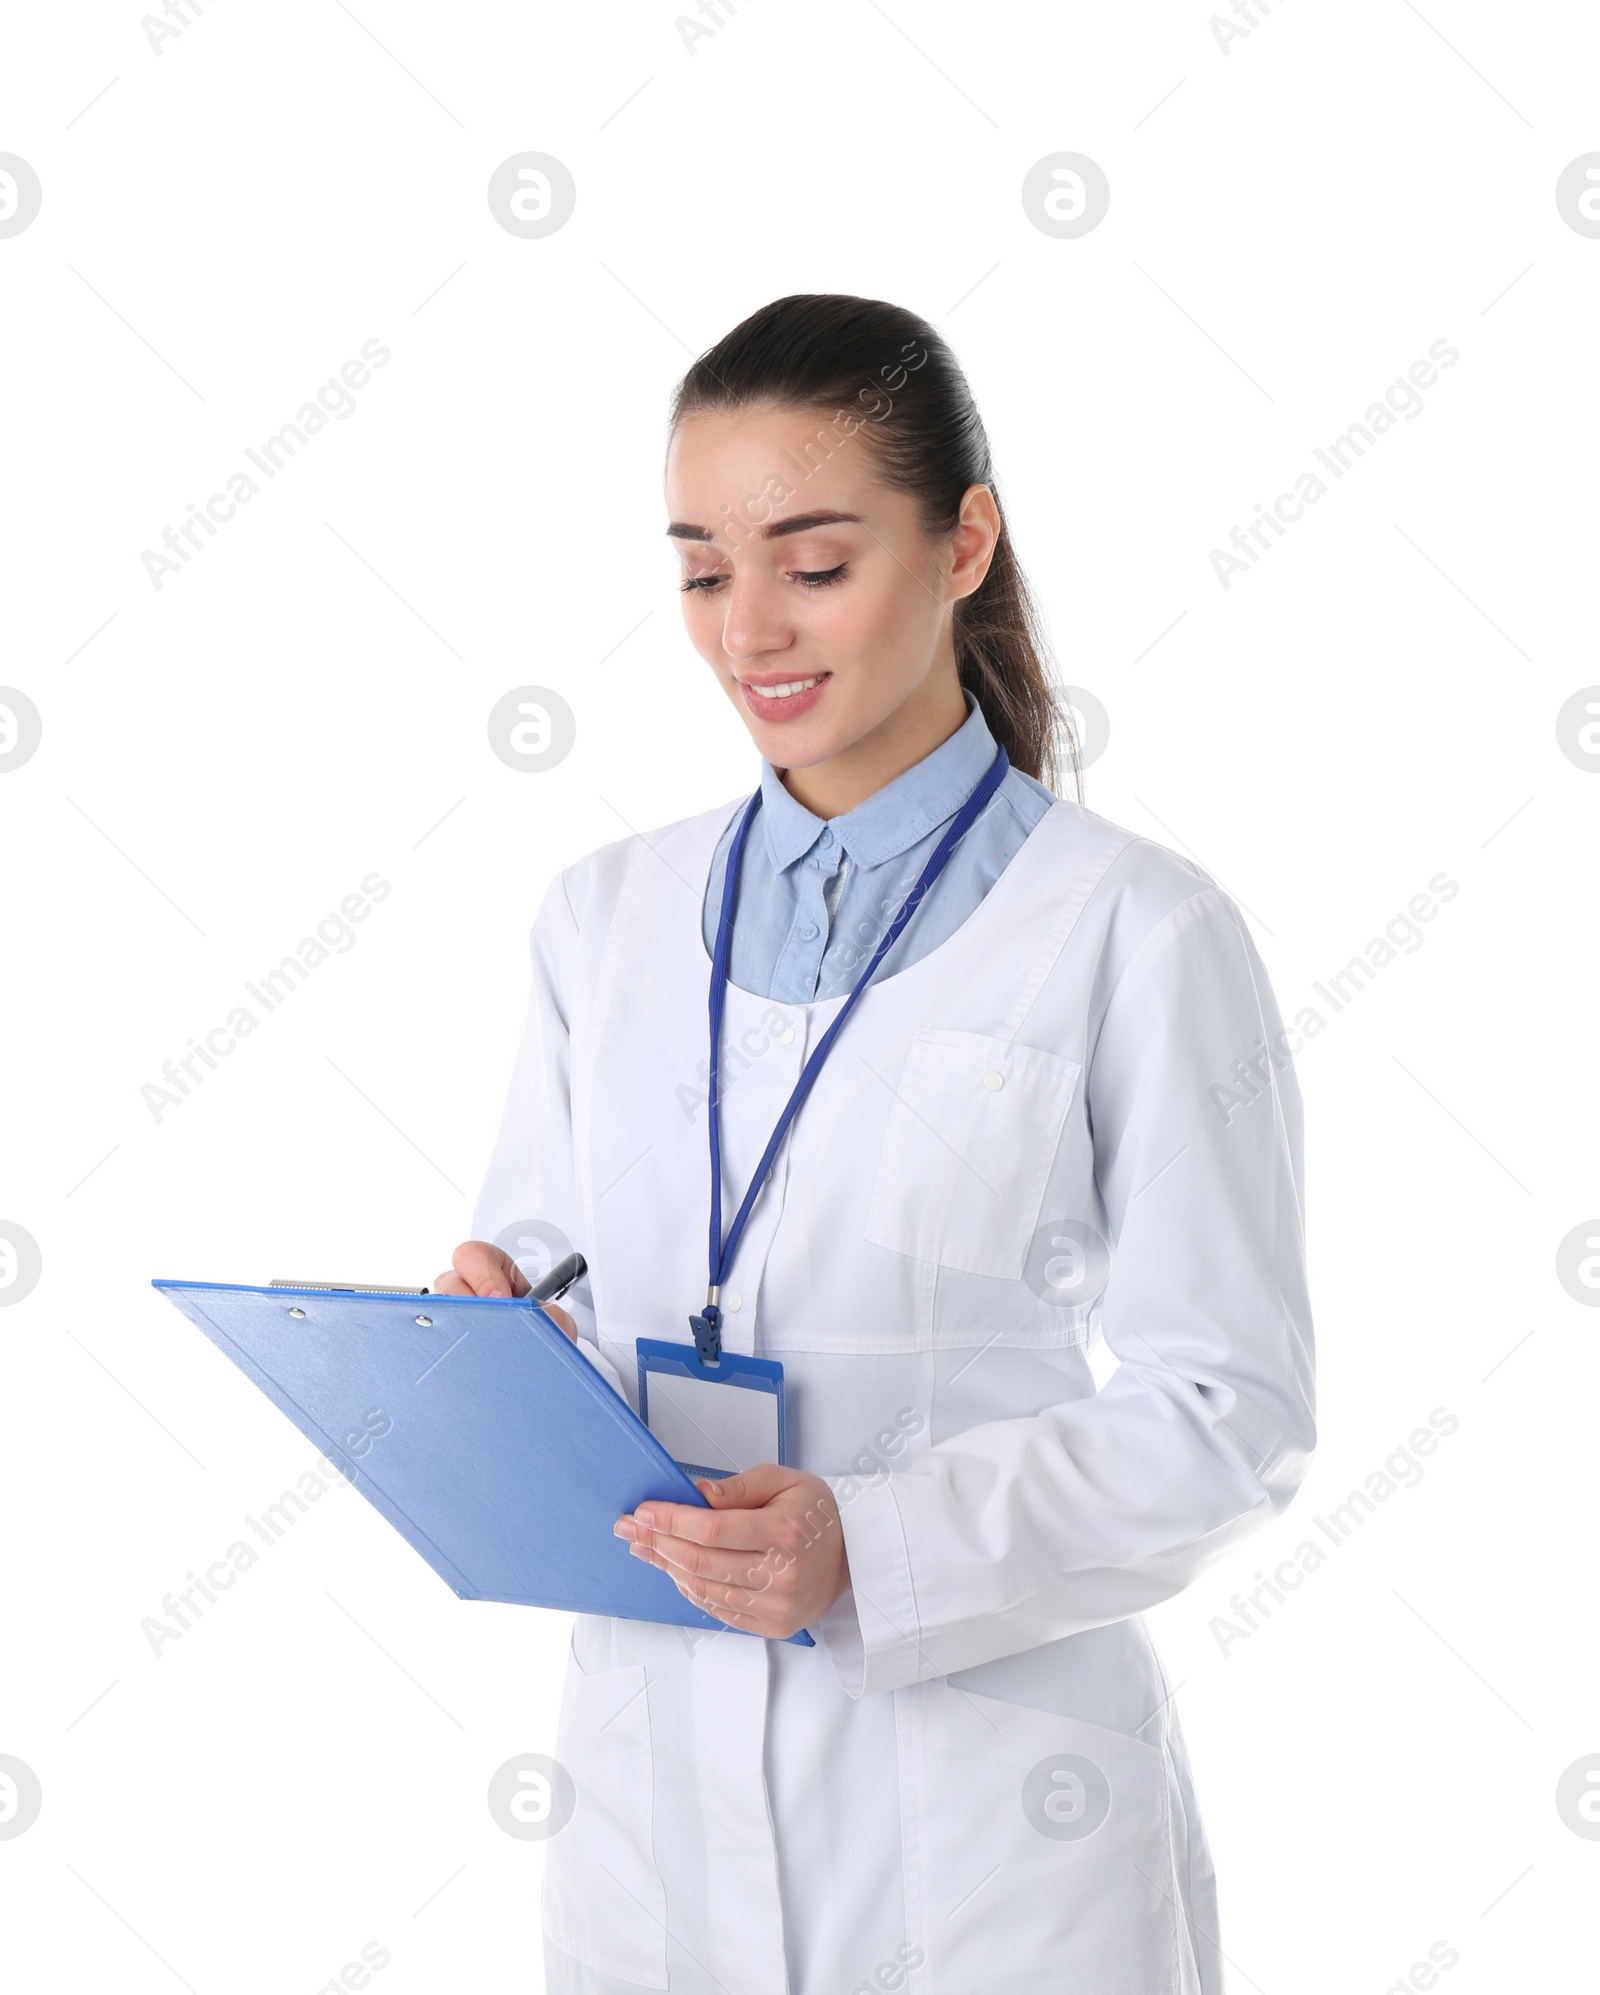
x: 801, y: 523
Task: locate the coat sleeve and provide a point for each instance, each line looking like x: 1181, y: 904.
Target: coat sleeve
x: 1022, y: 1531
x: 531, y: 1177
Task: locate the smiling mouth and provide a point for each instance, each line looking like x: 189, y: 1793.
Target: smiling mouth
x: 786, y: 689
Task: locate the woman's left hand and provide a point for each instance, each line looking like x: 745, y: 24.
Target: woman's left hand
x: 767, y: 1557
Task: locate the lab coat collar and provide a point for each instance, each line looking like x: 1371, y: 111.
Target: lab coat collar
x: 892, y: 819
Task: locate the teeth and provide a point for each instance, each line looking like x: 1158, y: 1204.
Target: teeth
x: 787, y: 690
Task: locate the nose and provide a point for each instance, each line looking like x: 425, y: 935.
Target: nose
x: 754, y: 623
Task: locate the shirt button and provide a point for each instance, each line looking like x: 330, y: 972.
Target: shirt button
x: 994, y: 1082
x: 732, y: 1300
x: 809, y: 932
x: 826, y: 838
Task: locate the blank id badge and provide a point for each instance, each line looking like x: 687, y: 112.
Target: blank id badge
x: 714, y: 1420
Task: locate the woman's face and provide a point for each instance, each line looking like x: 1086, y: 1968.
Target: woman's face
x: 810, y: 587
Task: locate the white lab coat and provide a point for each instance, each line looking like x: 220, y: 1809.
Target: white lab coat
x: 900, y: 1807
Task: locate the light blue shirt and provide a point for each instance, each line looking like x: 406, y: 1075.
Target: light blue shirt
x: 817, y: 895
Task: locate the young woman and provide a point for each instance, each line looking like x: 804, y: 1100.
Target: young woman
x: 975, y: 1779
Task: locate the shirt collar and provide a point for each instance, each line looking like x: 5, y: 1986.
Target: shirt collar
x: 892, y: 819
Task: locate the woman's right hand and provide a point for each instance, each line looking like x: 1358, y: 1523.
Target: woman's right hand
x: 478, y: 1267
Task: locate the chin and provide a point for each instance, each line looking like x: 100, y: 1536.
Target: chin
x: 793, y: 746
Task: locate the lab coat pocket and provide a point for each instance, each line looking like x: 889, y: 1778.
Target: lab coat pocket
x: 604, y: 1900
x: 1045, y: 1845
x: 974, y: 1129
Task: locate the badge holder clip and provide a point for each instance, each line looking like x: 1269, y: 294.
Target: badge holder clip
x: 707, y: 1329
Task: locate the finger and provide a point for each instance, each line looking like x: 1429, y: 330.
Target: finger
x: 755, y: 1617
x: 735, y: 1530
x: 751, y: 1488
x: 726, y: 1496
x: 724, y: 1603
x: 754, y: 1572
x: 488, y: 1270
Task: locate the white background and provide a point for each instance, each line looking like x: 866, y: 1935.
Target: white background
x: 1292, y: 223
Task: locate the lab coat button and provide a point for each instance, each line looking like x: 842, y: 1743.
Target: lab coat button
x: 994, y: 1082
x: 732, y: 1300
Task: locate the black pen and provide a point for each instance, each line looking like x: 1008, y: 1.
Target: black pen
x: 560, y: 1279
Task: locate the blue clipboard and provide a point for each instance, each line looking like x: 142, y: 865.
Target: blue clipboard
x: 507, y: 1458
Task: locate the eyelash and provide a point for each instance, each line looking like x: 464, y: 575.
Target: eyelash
x: 819, y: 578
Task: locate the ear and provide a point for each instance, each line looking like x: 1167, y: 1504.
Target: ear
x: 973, y: 541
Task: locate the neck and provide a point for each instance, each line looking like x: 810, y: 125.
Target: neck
x: 916, y: 728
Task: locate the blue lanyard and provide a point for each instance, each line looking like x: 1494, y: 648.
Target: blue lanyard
x: 707, y: 1326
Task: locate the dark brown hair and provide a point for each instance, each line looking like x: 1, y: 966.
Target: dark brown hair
x: 890, y: 376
